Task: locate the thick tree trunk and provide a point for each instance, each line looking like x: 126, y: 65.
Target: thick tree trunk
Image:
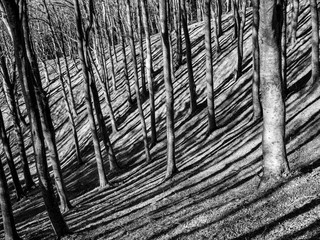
x: 27, y: 80
x: 273, y: 135
x: 315, y: 45
x: 7, y: 150
x: 10, y: 231
x: 135, y: 74
x: 149, y: 74
x: 171, y: 162
x: 209, y: 72
x: 84, y: 65
x: 192, y: 86
x: 257, y: 111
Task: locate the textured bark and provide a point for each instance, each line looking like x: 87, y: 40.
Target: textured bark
x: 10, y: 231
x: 273, y: 135
x: 149, y: 73
x: 8, y: 153
x: 257, y: 111
x: 171, y: 162
x: 28, y: 81
x: 209, y: 72
x: 192, y: 86
x: 315, y: 45
x: 178, y: 31
x: 242, y: 18
x: 135, y: 75
x: 85, y: 71
x: 284, y: 49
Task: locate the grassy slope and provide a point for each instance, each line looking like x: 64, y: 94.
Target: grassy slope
x: 215, y: 194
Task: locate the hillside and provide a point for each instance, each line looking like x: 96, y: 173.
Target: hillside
x: 214, y: 195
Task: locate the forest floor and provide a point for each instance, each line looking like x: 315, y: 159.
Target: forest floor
x: 215, y: 195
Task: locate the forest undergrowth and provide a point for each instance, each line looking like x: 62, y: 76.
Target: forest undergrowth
x: 215, y: 195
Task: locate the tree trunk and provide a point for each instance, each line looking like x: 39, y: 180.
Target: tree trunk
x: 242, y: 18
x: 273, y: 135
x: 12, y: 9
x: 192, y: 86
x: 257, y: 111
x: 8, y: 87
x: 142, y: 65
x: 84, y: 65
x: 284, y: 49
x: 209, y: 72
x: 236, y: 18
x: 294, y: 21
x: 124, y: 58
x: 315, y: 45
x: 177, y: 4
x: 218, y: 17
x: 10, y: 231
x: 149, y: 73
x: 8, y: 153
x: 135, y: 74
x: 171, y: 162
x: 215, y: 31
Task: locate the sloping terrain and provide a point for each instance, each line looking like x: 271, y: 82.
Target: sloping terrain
x: 214, y: 195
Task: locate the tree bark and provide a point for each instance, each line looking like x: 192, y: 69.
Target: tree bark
x: 192, y: 86
x: 135, y: 74
x: 257, y: 111
x: 294, y: 21
x: 209, y: 72
x: 171, y: 162
x: 273, y: 135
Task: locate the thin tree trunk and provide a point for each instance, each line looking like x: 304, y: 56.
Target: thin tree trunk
x: 273, y: 135
x: 10, y: 231
x: 242, y: 18
x: 257, y: 111
x: 178, y: 32
x: 294, y: 21
x: 215, y: 31
x: 84, y: 65
x: 135, y: 74
x: 209, y: 72
x: 218, y: 17
x: 171, y: 162
x: 284, y: 49
x: 192, y: 86
x: 142, y: 64
x: 149, y: 74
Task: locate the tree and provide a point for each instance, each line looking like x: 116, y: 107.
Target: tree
x: 10, y: 230
x: 171, y: 162
x: 257, y: 111
x: 82, y: 41
x: 136, y: 80
x: 273, y: 135
x: 294, y: 21
x: 28, y: 83
x: 192, y: 86
x: 315, y: 45
x: 209, y: 72
x: 149, y: 73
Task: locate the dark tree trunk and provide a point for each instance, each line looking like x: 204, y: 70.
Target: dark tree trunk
x: 27, y: 81
x: 85, y: 70
x: 192, y: 86
x: 218, y: 17
x: 10, y: 231
x: 236, y: 18
x: 178, y: 32
x: 9, y: 157
x: 273, y: 135
x: 209, y: 72
x: 149, y: 73
x: 284, y: 49
x: 257, y: 111
x: 135, y: 74
x: 171, y: 162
